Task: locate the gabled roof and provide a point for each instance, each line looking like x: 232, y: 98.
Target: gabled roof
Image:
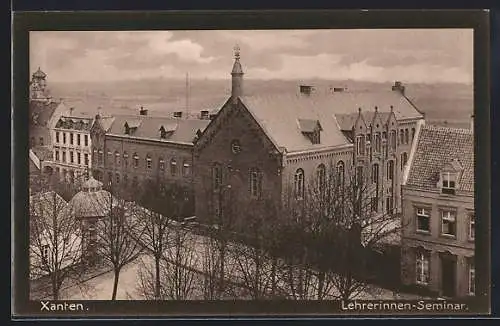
x: 74, y: 123
x: 182, y: 130
x: 437, y: 148
x: 347, y: 121
x: 309, y: 125
x: 336, y: 112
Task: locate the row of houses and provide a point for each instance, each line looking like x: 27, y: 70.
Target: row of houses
x: 259, y: 146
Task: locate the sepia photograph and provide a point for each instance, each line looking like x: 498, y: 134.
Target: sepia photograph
x: 253, y: 164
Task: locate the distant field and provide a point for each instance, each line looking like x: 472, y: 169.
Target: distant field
x: 444, y: 104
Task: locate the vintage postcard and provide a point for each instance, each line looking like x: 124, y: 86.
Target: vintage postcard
x: 331, y: 168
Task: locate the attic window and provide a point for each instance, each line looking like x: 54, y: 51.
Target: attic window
x: 163, y: 133
x: 311, y: 129
x: 448, y: 183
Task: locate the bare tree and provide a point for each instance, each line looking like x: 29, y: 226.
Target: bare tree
x: 117, y: 236
x: 55, y: 240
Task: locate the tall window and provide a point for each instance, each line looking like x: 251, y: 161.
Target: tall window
x: 86, y: 140
x: 125, y: 180
x: 389, y: 204
x: 173, y: 166
x: 71, y: 138
x: 472, y: 276
x: 404, y: 159
x: 407, y: 136
x: 86, y: 159
x: 401, y: 136
x: 472, y: 227
x: 110, y: 178
x: 125, y: 159
x: 161, y: 164
x: 378, y: 142
x: 216, y: 176
x: 78, y: 139
x: 390, y: 170
x: 448, y: 183
x: 100, y: 157
x: 422, y: 267
x: 78, y: 158
x: 393, y: 140
x: 64, y: 156
x: 136, y: 160
x: 299, y: 183
x: 360, y: 145
x: 117, y: 178
x: 40, y: 141
x: 375, y: 173
x: 45, y: 254
x: 423, y: 221
x: 117, y: 157
x: 186, y: 169
x: 110, y: 157
x: 321, y: 178
x: 57, y: 136
x: 359, y: 175
x: 71, y: 159
x: 149, y: 162
x: 64, y: 137
x: 448, y: 222
x: 255, y: 183
x: 340, y: 173
x: 56, y: 155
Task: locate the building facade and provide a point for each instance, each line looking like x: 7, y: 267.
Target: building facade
x: 129, y: 150
x: 260, y: 147
x: 438, y: 209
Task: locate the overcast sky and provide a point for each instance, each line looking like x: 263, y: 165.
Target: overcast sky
x: 411, y: 55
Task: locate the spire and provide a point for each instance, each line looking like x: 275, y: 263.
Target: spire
x: 237, y: 75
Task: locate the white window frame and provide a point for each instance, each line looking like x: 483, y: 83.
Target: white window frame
x: 255, y: 183
x: 149, y: 162
x: 136, y: 161
x: 448, y: 177
x: 422, y: 268
x: 425, y: 213
x: 451, y: 217
x: 471, y: 277
x: 161, y: 164
x: 472, y: 225
x: 186, y: 169
x: 299, y: 183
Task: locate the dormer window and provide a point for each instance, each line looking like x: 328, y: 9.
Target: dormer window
x: 235, y: 146
x: 448, y: 183
x: 311, y: 129
x: 163, y: 133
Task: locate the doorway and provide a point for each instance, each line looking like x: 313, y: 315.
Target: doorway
x: 448, y: 275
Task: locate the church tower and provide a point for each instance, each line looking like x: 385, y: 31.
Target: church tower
x: 38, y: 86
x: 237, y: 75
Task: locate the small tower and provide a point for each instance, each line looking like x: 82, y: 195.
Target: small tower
x: 237, y: 75
x: 38, y: 86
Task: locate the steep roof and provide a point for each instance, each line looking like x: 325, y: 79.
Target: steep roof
x: 437, y: 148
x: 148, y: 127
x: 74, y: 123
x: 347, y: 120
x: 41, y: 112
x: 279, y: 114
x: 90, y: 204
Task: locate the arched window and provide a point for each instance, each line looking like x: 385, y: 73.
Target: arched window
x: 401, y: 136
x: 136, y: 160
x: 216, y: 176
x: 360, y: 145
x: 117, y: 158
x: 125, y: 159
x: 161, y: 164
x: 186, y: 169
x: 375, y: 173
x: 378, y: 141
x: 404, y: 159
x: 321, y: 178
x: 299, y: 183
x: 255, y: 183
x: 149, y: 162
x: 340, y: 173
x: 173, y: 166
x: 390, y: 170
x: 393, y: 140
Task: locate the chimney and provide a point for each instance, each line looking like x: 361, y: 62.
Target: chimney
x: 472, y: 123
x: 143, y: 111
x: 204, y: 115
x: 71, y: 111
x: 305, y: 89
x: 178, y: 114
x: 398, y: 86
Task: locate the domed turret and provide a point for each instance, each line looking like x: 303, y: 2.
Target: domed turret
x: 92, y: 201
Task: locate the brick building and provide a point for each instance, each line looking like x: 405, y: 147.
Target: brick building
x: 438, y: 206
x: 130, y: 149
x: 259, y: 146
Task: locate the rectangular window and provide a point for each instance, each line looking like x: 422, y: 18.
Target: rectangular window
x: 56, y: 155
x: 448, y: 183
x: 71, y: 157
x: 86, y: 156
x: 472, y: 227
x: 64, y: 157
x: 359, y: 175
x: 390, y: 170
x: 472, y: 277
x: 125, y: 180
x: 448, y: 223
x: 255, y: 183
x: 57, y: 136
x: 422, y: 268
x: 360, y: 145
x: 375, y: 173
x: 173, y: 167
x: 100, y: 157
x: 86, y: 140
x: 186, y: 169
x: 78, y: 158
x: 217, y: 177
x: 40, y: 141
x: 149, y: 163
x: 64, y: 137
x: 136, y: 161
x: 71, y: 139
x: 117, y: 178
x: 377, y: 142
x: 78, y: 139
x: 161, y: 165
x: 423, y: 220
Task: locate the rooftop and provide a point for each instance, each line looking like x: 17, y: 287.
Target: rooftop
x: 437, y: 148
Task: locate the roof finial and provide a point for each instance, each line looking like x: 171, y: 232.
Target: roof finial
x: 392, y: 108
x: 359, y: 109
x: 376, y: 108
x: 236, y: 52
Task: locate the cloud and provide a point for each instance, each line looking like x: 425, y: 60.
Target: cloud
x: 378, y: 55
